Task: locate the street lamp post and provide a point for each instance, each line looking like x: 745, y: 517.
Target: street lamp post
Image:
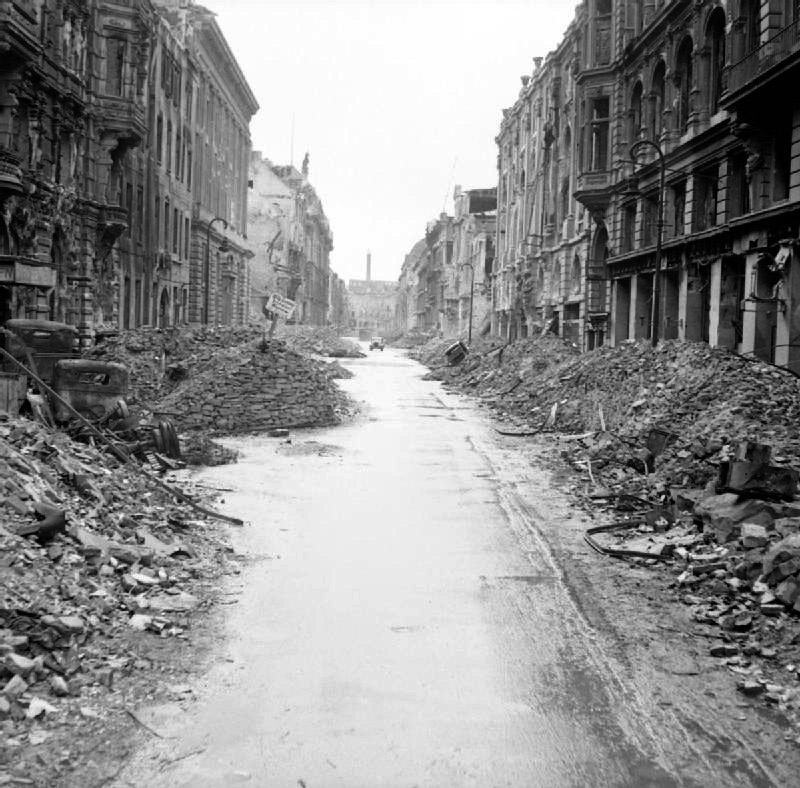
x: 471, y: 298
x: 656, y: 308
x: 207, y: 278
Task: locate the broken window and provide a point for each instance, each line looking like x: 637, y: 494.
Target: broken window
x: 705, y: 191
x: 115, y: 62
x: 650, y: 219
x: 602, y: 33
x: 679, y: 208
x: 659, y: 100
x: 159, y: 139
x: 628, y: 227
x: 738, y: 186
x: 599, y: 134
x: 684, y: 82
x: 782, y: 158
x: 139, y: 213
x: 716, y: 38
x: 635, y: 114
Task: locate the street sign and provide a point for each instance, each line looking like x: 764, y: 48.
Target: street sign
x: 280, y: 306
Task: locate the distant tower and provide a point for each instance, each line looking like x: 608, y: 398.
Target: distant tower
x: 369, y: 266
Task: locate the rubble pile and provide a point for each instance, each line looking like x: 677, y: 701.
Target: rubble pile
x: 736, y: 566
x: 495, y: 370
x: 652, y: 416
x: 318, y: 341
x: 159, y: 359
x: 108, y: 565
x: 254, y: 390
x: 218, y: 380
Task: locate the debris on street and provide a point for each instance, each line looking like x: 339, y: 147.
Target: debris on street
x: 688, y: 459
x: 228, y: 381
x: 98, y: 565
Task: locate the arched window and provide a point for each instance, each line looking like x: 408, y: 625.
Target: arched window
x: 565, y: 195
x: 635, y: 114
x: 683, y: 81
x: 715, y: 34
x: 575, y: 274
x: 555, y: 289
x: 659, y: 100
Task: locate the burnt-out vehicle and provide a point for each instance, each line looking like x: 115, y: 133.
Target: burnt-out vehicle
x: 93, y: 388
x: 97, y: 390
x: 38, y: 344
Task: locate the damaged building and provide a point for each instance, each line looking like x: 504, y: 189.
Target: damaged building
x: 372, y: 305
x: 544, y: 273
x: 292, y: 240
x: 474, y: 225
x: 106, y: 167
x: 704, y: 90
x: 712, y: 85
x: 582, y: 219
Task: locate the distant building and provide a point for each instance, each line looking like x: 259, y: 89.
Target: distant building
x: 474, y: 232
x: 372, y: 305
x: 406, y: 303
x: 292, y: 239
x: 339, y: 304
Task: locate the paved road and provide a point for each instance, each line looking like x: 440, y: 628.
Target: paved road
x: 413, y: 631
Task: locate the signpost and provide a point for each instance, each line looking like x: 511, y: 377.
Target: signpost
x: 278, y: 306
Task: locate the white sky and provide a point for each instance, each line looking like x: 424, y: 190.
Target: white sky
x: 395, y: 100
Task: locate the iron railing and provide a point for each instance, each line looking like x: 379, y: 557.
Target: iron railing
x: 764, y: 57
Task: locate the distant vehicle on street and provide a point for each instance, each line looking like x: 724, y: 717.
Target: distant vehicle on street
x: 376, y: 343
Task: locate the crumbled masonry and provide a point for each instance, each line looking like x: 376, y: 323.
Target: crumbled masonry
x: 710, y: 436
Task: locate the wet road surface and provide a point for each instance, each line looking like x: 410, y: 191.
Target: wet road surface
x: 405, y: 626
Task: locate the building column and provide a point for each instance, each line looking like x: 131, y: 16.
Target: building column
x: 716, y: 293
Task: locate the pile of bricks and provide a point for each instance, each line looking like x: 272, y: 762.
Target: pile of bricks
x: 84, y: 605
x: 254, y: 390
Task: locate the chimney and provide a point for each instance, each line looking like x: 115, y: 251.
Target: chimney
x: 369, y: 266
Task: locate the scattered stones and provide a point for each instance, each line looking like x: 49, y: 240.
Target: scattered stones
x: 753, y: 535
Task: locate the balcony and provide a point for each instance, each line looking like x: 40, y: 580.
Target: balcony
x: 593, y: 190
x: 122, y: 118
x: 112, y: 222
x: 770, y: 60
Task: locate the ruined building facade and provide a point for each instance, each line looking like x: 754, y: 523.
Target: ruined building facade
x: 104, y: 150
x: 712, y: 84
x: 474, y: 222
x: 445, y: 280
x: 291, y: 238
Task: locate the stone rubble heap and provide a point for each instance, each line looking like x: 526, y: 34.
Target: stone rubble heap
x: 318, y: 341
x: 702, y: 399
x: 220, y: 381
x: 252, y: 390
x: 80, y: 604
x: 663, y: 425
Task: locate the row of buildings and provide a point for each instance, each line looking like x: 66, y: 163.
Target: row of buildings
x: 445, y: 280
x: 125, y: 167
x: 292, y: 241
x: 697, y: 226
